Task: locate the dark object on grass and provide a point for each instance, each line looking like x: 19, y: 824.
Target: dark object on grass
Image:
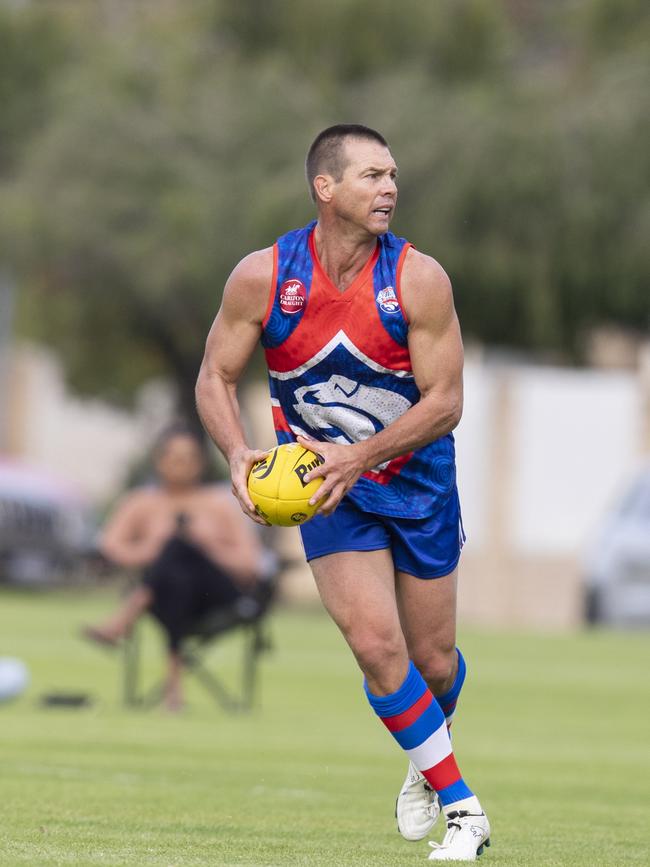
x: 66, y: 699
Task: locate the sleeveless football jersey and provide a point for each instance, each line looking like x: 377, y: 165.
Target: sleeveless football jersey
x: 339, y: 369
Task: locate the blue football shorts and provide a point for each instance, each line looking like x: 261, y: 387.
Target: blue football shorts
x: 425, y: 547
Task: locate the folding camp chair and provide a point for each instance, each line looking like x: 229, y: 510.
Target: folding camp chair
x: 247, y: 615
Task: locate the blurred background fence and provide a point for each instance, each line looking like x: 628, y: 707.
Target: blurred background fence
x: 145, y: 146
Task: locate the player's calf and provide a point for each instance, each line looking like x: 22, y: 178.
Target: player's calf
x: 418, y: 806
x: 449, y: 699
x: 417, y: 723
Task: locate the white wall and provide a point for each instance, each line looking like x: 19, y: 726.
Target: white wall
x: 577, y: 437
x: 474, y: 446
x: 571, y: 440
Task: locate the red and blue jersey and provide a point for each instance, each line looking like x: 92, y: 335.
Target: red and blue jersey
x: 340, y: 370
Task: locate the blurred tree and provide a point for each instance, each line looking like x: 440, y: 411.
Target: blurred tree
x: 33, y: 48
x: 346, y: 40
x: 178, y: 136
x: 535, y: 205
x: 157, y: 174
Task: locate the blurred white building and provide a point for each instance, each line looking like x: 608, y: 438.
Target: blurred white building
x: 542, y: 453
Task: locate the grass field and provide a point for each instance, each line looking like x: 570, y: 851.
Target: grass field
x: 553, y: 732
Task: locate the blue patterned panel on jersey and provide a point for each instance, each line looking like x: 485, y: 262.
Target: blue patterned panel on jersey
x: 384, y: 279
x: 294, y: 264
x: 422, y: 487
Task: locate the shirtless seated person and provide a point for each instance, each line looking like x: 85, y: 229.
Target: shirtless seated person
x: 195, y: 548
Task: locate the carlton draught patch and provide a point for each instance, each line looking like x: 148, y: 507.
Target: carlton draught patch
x: 292, y: 296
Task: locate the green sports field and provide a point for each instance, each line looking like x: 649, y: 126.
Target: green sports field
x: 552, y: 731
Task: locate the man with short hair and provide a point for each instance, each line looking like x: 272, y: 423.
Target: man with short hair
x: 365, y: 367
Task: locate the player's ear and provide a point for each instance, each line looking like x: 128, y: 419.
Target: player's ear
x: 323, y: 187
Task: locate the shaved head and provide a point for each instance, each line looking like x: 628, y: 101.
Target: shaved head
x: 327, y: 155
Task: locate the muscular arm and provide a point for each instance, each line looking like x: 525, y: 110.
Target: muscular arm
x: 436, y: 351
x: 229, y: 346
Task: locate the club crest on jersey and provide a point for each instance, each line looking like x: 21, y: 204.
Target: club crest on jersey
x: 346, y: 411
x: 292, y: 296
x: 387, y: 300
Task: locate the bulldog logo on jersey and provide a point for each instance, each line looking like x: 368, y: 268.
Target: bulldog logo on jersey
x: 387, y: 300
x: 344, y: 410
x: 292, y: 296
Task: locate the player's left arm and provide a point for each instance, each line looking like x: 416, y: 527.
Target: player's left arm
x: 436, y: 351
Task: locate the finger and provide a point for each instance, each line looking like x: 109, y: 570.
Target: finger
x: 331, y: 502
x: 319, y: 472
x: 326, y: 494
x: 242, y: 504
x: 308, y: 443
x: 249, y: 461
x: 322, y: 493
x: 240, y: 486
x: 241, y: 492
x: 250, y: 506
x: 250, y: 511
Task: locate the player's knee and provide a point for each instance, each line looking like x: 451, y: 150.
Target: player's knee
x: 378, y: 653
x: 438, y: 668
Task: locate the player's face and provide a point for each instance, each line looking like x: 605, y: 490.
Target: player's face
x: 367, y: 192
x: 180, y: 462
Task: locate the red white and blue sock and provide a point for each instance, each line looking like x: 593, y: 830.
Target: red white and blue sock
x: 449, y: 700
x: 416, y: 721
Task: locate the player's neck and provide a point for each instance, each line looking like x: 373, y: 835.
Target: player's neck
x: 341, y: 253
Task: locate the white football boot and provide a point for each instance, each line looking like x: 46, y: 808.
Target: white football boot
x: 467, y: 834
x: 417, y: 807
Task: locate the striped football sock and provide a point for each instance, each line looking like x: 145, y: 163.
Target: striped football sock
x: 449, y: 700
x: 417, y: 723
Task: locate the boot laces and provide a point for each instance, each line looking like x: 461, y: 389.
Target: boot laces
x: 453, y: 827
x: 431, y: 808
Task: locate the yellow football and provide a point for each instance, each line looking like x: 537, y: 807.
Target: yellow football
x: 276, y: 485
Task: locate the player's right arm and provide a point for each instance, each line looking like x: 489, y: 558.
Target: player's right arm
x: 230, y: 344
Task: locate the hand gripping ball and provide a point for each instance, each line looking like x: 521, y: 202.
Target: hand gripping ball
x: 277, y: 488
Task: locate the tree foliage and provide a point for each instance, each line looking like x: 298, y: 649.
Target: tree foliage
x: 171, y: 141
x: 32, y: 50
